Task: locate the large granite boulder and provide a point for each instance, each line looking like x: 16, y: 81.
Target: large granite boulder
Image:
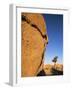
x: 33, y: 42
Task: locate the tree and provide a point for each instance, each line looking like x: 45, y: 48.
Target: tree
x: 55, y: 60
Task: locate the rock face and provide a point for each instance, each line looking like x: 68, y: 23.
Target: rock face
x: 33, y: 43
x: 50, y: 69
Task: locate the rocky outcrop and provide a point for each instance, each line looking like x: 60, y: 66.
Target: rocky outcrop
x: 33, y: 43
x: 50, y: 69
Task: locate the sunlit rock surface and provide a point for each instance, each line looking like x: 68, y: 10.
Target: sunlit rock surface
x: 33, y: 43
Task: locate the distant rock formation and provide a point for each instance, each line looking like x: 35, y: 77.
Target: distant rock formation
x: 49, y: 69
x: 33, y: 42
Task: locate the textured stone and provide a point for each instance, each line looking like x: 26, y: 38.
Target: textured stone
x: 33, y: 43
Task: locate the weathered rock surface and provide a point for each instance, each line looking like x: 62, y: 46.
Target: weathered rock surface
x: 33, y: 43
x: 50, y: 69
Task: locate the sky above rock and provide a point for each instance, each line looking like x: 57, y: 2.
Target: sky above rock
x: 54, y: 26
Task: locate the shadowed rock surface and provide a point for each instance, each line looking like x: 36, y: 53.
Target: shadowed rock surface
x: 56, y: 72
x: 41, y: 73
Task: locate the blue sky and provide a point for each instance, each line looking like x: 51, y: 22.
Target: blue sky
x: 54, y: 26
